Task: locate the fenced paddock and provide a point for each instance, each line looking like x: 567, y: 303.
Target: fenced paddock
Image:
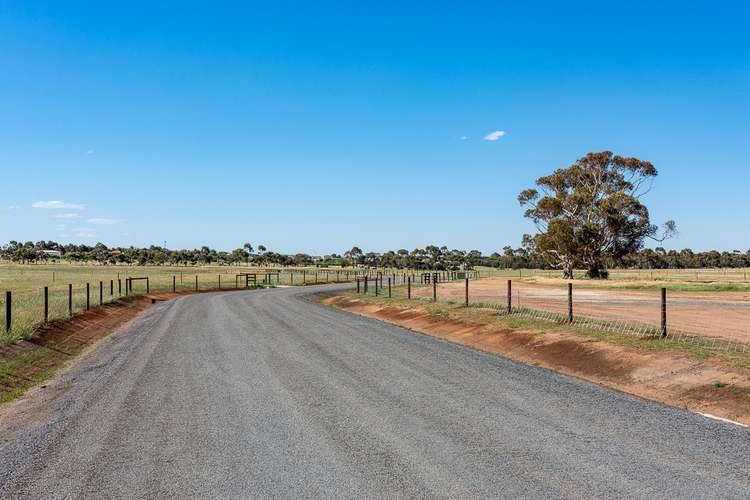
x: 716, y: 320
x: 40, y: 293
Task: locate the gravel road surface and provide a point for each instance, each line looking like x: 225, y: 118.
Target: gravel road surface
x: 267, y: 394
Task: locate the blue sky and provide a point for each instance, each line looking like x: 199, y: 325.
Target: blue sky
x: 313, y: 126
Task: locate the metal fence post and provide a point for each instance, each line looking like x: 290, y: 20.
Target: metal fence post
x: 389, y: 288
x: 467, y: 292
x: 88, y: 297
x: 46, y: 304
x: 101, y: 293
x: 111, y: 287
x: 663, y: 312
x: 570, y: 302
x: 119, y: 286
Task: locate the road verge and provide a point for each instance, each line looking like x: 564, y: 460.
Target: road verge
x: 688, y: 379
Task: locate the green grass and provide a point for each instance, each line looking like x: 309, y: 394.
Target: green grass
x: 12, y: 368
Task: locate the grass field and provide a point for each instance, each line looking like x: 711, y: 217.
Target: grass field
x: 697, y: 280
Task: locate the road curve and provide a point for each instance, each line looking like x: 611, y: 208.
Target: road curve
x: 267, y: 394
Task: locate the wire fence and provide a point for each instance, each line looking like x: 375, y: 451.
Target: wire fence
x: 654, y: 326
x: 35, y: 301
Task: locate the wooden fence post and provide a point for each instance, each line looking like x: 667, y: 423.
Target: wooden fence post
x: 46, y: 304
x: 196, y: 282
x: 88, y: 297
x: 101, y: 293
x: 663, y: 312
x: 570, y: 302
x: 510, y: 296
x: 389, y: 288
x: 70, y: 299
x: 467, y: 292
x: 174, y: 283
x: 434, y: 288
x: 408, y: 287
x: 8, y: 310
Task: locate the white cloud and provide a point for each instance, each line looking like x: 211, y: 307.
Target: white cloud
x: 493, y: 136
x: 105, y: 222
x: 463, y: 137
x: 67, y: 215
x: 57, y: 205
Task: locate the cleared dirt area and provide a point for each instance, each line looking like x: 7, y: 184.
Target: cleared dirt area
x: 705, y: 386
x: 713, y: 314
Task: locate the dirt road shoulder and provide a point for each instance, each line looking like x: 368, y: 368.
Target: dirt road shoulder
x: 690, y: 380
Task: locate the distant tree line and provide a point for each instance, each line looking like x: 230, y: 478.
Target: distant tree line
x: 429, y: 257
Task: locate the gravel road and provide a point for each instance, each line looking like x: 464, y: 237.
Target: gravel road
x: 267, y: 394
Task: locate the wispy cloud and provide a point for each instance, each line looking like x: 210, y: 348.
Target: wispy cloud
x: 13, y: 207
x: 57, y: 205
x: 90, y: 152
x: 463, y: 137
x: 67, y: 215
x: 105, y: 222
x: 493, y: 136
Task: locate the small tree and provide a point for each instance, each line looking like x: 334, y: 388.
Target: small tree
x: 592, y: 211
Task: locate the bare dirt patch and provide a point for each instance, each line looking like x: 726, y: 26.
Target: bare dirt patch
x: 706, y: 386
x: 712, y: 314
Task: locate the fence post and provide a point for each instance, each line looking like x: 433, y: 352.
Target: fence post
x: 111, y: 287
x: 220, y: 282
x: 70, y: 299
x: 376, y: 286
x: 434, y: 288
x: 570, y: 302
x: 174, y: 283
x: 88, y: 297
x: 663, y: 312
x: 46, y: 304
x: 365, y: 284
x: 196, y: 282
x: 467, y: 292
x: 101, y: 293
x: 510, y: 296
x: 357, y: 285
x: 119, y: 286
x: 408, y: 287
x: 148, y: 288
x: 389, y: 288
x: 7, y: 311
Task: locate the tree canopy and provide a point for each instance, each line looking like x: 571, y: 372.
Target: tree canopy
x: 591, y: 213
